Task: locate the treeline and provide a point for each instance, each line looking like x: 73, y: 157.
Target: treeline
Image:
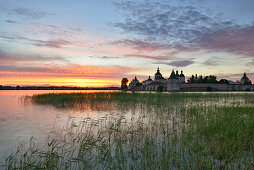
x: 201, y: 79
x: 55, y: 88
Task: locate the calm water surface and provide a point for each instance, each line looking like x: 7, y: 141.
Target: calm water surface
x: 20, y: 121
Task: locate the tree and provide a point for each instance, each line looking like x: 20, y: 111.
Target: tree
x: 200, y: 79
x: 160, y: 88
x: 205, y: 80
x: 192, y: 79
x: 124, y: 83
x: 223, y: 81
x: 247, y: 82
x: 209, y: 89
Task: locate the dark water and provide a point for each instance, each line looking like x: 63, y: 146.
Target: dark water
x: 20, y: 121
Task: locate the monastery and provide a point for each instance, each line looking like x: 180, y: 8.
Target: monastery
x: 176, y: 82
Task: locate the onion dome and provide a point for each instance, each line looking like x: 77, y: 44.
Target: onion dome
x: 173, y: 75
x: 177, y: 75
x: 244, y: 78
x: 158, y: 72
x: 181, y: 75
x: 149, y: 78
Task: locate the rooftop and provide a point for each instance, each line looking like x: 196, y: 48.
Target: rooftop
x: 173, y: 75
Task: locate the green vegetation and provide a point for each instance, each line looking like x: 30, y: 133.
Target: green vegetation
x: 124, y: 84
x: 160, y: 88
x: 200, y: 79
x: 209, y: 89
x: 247, y: 82
x: 147, y: 131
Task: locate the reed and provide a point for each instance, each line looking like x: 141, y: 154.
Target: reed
x: 164, y: 131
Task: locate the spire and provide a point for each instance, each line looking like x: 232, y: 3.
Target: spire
x: 181, y: 75
x: 177, y: 73
x: 173, y: 75
x: 245, y: 76
x: 158, y: 75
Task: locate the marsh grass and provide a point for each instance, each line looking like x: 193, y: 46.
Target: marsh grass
x: 165, y: 131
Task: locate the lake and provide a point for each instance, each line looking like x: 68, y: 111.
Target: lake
x: 179, y: 130
x: 20, y: 121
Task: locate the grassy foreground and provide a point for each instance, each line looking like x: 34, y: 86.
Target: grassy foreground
x: 147, y: 131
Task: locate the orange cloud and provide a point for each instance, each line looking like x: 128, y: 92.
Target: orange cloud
x: 42, y: 81
x: 74, y: 75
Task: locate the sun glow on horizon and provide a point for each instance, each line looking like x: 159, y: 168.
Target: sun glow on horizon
x: 77, y: 82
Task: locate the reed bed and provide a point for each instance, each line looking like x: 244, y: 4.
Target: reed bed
x: 163, y: 131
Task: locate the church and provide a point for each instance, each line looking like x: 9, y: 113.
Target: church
x: 169, y: 84
x: 176, y: 82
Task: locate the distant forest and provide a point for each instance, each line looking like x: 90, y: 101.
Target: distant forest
x: 210, y: 79
x: 55, y: 88
x: 201, y: 79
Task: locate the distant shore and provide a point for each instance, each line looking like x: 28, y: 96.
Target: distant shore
x: 56, y: 88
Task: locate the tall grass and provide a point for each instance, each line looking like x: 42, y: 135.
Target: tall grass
x: 165, y: 131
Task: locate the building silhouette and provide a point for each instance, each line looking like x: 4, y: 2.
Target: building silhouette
x: 176, y: 82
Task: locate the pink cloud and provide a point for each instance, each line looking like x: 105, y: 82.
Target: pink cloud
x: 140, y: 45
x: 148, y: 56
x: 72, y: 71
x: 235, y: 40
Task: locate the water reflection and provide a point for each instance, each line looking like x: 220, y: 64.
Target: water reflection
x: 20, y: 121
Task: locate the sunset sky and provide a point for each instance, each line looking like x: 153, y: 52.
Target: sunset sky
x: 96, y: 43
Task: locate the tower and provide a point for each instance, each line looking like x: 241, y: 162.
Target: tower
x: 181, y: 78
x: 173, y: 82
x: 157, y: 75
x: 245, y: 79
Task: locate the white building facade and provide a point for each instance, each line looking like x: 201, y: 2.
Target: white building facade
x: 176, y: 82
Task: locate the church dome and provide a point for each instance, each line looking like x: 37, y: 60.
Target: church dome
x: 177, y: 75
x: 149, y: 78
x: 181, y: 75
x: 158, y: 72
x: 173, y: 75
x: 158, y: 75
x: 244, y: 77
x: 134, y: 82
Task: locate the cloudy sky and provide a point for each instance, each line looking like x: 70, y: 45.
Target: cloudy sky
x: 96, y: 43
